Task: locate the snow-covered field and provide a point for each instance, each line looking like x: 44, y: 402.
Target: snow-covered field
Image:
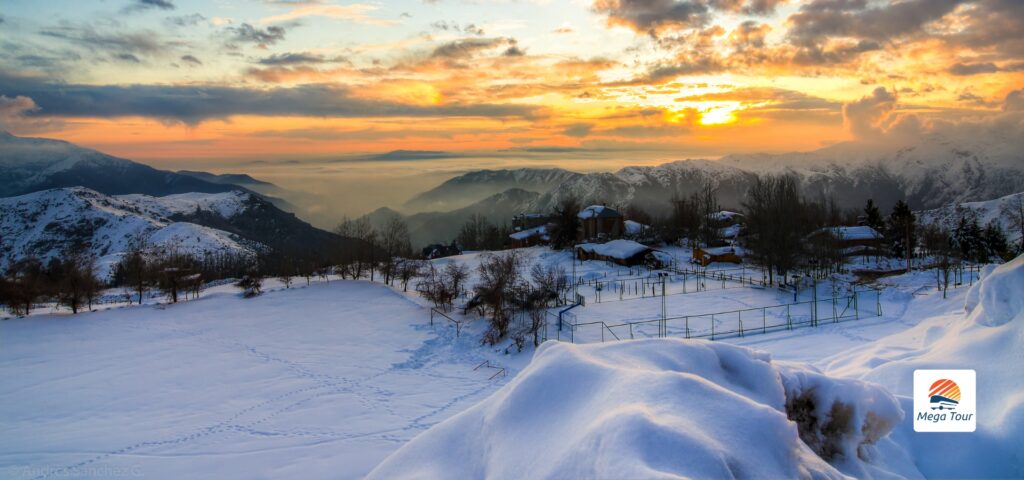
x: 317, y: 382
x: 328, y: 380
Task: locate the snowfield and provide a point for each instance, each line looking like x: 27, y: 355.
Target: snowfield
x: 345, y: 378
x: 317, y: 382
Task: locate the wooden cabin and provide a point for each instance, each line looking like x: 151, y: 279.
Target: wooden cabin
x: 601, y: 222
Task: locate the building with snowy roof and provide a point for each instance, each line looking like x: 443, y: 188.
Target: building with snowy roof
x: 601, y: 222
x: 623, y: 252
x: 852, y: 240
x: 530, y: 237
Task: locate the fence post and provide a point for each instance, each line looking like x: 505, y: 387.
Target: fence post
x: 856, y: 310
x: 789, y: 319
x: 712, y: 326
x: 764, y: 321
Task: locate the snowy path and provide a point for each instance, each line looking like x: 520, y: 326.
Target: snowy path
x: 324, y: 381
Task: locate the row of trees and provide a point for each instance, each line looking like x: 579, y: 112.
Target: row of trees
x: 71, y: 281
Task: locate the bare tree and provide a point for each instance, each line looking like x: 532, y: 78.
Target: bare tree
x: 566, y: 223
x: 134, y: 267
x: 499, y: 276
x: 26, y: 284
x: 408, y: 270
x: 365, y: 255
x: 776, y: 223
x: 395, y: 245
x: 76, y: 281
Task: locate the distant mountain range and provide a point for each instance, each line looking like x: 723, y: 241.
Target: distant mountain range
x: 53, y: 222
x: 441, y: 227
x: 469, y: 188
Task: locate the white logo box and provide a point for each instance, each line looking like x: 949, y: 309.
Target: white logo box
x: 959, y: 418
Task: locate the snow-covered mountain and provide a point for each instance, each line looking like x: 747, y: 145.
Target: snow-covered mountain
x: 50, y: 223
x: 650, y: 187
x: 34, y: 164
x: 933, y: 172
x: 1007, y: 212
x: 930, y: 173
x: 464, y: 190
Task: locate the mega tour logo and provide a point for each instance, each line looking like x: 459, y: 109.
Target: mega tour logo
x: 944, y: 401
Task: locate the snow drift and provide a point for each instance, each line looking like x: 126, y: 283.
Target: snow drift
x: 655, y: 409
x: 988, y: 338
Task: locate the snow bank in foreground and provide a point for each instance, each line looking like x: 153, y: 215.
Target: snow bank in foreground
x: 988, y: 338
x: 653, y: 409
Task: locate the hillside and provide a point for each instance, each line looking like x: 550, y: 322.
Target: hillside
x: 1007, y: 212
x: 34, y: 164
x: 49, y: 223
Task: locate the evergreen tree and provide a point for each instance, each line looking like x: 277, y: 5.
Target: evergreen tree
x: 995, y: 242
x: 873, y: 216
x: 900, y: 231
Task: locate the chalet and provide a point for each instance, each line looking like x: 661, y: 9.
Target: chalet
x: 440, y: 250
x: 853, y: 241
x: 729, y: 224
x: 527, y: 221
x: 623, y: 252
x: 530, y: 237
x: 601, y: 222
x: 708, y: 255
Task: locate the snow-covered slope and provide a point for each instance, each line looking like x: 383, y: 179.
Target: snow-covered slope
x: 664, y: 408
x: 1005, y: 211
x: 49, y: 223
x: 987, y: 338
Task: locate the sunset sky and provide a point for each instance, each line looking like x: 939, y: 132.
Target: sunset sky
x: 186, y: 83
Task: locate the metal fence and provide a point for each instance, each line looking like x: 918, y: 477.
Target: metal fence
x: 724, y: 324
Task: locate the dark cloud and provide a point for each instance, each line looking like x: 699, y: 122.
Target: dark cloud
x: 855, y: 18
x: 87, y: 36
x: 141, y: 5
x: 297, y: 58
x: 194, y: 104
x: 185, y: 20
x: 578, y: 130
x: 468, y: 28
x: 985, y: 67
x: 654, y: 16
x: 468, y: 47
x: 246, y: 33
x: 127, y: 57
x: 973, y: 68
x: 191, y: 60
x: 836, y: 53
